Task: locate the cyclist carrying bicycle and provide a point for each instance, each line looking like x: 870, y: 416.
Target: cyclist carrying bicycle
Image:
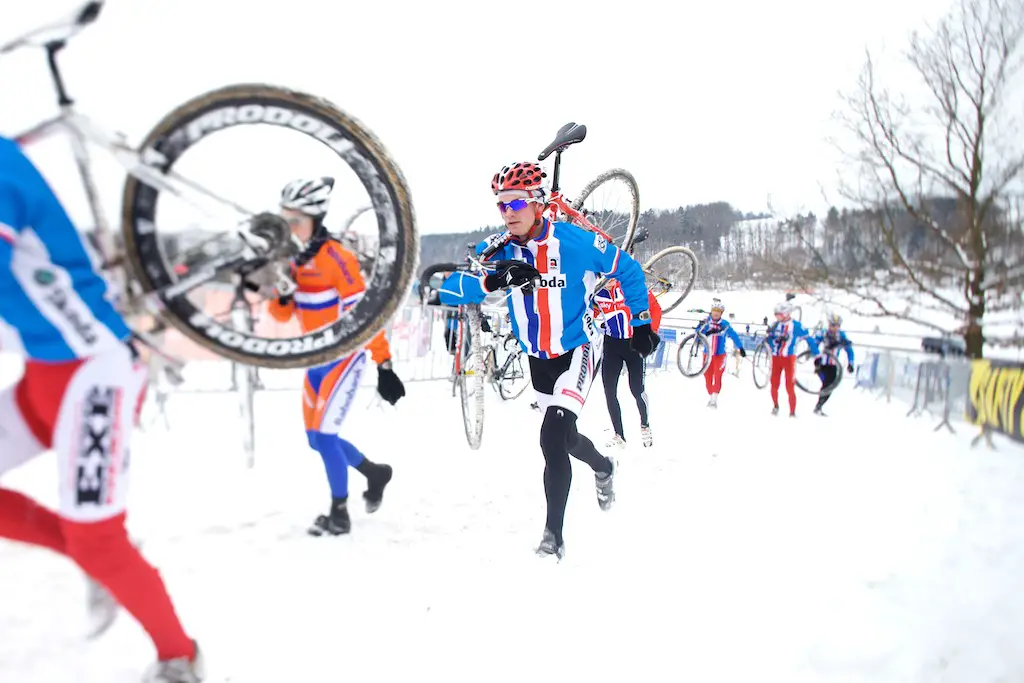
x: 551, y: 268
x: 611, y: 303
x: 79, y: 396
x: 782, y: 339
x: 330, y: 282
x: 831, y: 340
x: 716, y: 328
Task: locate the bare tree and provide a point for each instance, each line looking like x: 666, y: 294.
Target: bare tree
x: 962, y: 146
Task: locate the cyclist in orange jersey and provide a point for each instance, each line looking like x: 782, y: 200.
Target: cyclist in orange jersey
x: 330, y: 282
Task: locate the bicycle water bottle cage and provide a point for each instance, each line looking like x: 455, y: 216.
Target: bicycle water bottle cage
x: 569, y: 134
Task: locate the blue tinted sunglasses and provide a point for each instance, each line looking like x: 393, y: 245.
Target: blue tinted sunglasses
x: 515, y: 204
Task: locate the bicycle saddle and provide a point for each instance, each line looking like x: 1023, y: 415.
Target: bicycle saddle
x: 569, y: 134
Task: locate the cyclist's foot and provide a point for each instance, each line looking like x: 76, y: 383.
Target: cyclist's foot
x: 645, y: 434
x: 818, y: 411
x: 549, y: 547
x: 616, y: 442
x: 713, y: 401
x: 775, y: 410
x: 793, y: 414
x: 605, y: 484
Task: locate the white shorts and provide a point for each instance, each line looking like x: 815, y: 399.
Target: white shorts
x: 85, y: 411
x: 565, y: 381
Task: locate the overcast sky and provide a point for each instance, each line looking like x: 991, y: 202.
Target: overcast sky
x: 701, y: 101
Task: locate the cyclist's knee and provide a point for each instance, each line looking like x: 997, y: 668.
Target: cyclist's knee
x: 557, y: 431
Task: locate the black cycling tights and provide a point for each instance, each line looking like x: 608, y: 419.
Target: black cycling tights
x: 558, y: 440
x: 617, y: 352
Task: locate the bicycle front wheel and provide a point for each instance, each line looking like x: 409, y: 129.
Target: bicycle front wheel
x: 472, y: 385
x: 224, y: 115
x: 694, y: 355
x: 670, y: 276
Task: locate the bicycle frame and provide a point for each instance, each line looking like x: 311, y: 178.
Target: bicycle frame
x: 558, y: 202
x: 142, y: 165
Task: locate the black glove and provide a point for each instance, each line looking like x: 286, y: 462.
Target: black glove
x: 743, y: 352
x: 511, y: 274
x: 644, y: 340
x: 849, y: 367
x: 284, y: 300
x: 485, y: 325
x: 818, y: 362
x: 389, y: 386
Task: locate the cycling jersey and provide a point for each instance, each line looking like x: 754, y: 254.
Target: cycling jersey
x: 329, y: 284
x: 51, y: 293
x: 716, y: 331
x: 783, y: 336
x: 555, y: 318
x: 834, y: 342
x: 611, y: 304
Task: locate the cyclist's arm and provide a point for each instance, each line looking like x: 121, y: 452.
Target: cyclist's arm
x: 800, y: 331
x: 348, y: 280
x: 468, y: 288
x: 848, y: 345
x: 730, y: 332
x: 610, y: 261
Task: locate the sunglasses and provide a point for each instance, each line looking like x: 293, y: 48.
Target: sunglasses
x: 516, y: 204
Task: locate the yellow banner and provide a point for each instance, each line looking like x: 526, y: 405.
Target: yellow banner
x: 996, y: 396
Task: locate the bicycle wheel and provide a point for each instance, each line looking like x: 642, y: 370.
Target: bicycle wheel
x: 515, y: 373
x: 618, y: 221
x: 762, y: 362
x: 694, y: 355
x: 807, y: 378
x: 243, y: 105
x: 474, y: 377
x: 670, y: 276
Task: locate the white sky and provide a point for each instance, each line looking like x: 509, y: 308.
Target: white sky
x: 701, y: 101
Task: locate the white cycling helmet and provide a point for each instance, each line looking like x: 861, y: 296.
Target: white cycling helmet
x: 834, y: 318
x: 717, y: 305
x: 311, y: 196
x: 784, y: 308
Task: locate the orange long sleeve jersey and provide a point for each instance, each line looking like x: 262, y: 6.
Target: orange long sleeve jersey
x: 329, y: 284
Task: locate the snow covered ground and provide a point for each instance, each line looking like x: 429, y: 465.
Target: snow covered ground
x: 861, y: 547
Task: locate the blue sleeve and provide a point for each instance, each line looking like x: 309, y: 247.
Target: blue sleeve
x: 466, y: 288
x: 703, y: 329
x: 731, y: 333
x: 610, y: 261
x: 848, y: 345
x: 800, y: 331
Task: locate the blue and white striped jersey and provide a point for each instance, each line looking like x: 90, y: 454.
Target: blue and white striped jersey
x: 556, y: 317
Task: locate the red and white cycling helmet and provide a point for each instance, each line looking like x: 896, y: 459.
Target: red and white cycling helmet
x: 522, y: 175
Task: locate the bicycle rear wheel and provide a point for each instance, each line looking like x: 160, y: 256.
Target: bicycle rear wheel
x: 670, y: 276
x: 618, y: 220
x: 472, y: 385
x: 809, y: 381
x: 236, y: 107
x: 761, y: 360
x: 694, y: 355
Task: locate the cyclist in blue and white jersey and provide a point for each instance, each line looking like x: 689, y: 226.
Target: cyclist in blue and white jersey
x: 78, y: 396
x: 831, y: 339
x: 782, y: 339
x: 551, y: 269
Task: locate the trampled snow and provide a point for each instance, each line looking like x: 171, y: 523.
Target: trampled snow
x: 858, y: 547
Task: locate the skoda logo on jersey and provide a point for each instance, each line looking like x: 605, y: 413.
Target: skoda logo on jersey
x: 43, y: 276
x: 548, y: 281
